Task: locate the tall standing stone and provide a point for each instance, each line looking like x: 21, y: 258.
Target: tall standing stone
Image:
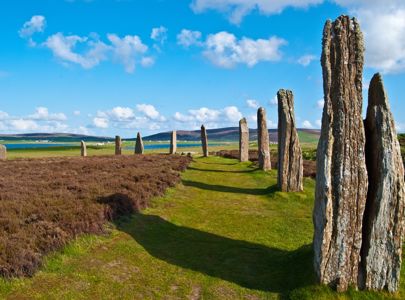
x: 83, y: 149
x: 204, y: 141
x: 118, y: 145
x: 173, y: 142
x: 341, y: 178
x: 383, y: 224
x: 263, y: 140
x: 3, y: 152
x: 139, y: 148
x: 243, y: 140
x: 290, y: 163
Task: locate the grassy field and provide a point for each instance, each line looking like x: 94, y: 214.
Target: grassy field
x: 224, y: 233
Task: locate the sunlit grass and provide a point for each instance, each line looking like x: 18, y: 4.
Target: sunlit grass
x: 224, y: 233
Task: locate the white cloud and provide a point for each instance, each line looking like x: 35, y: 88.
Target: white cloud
x: 400, y: 127
x: 23, y: 125
x: 121, y: 113
x: 159, y: 34
x: 187, y: 38
x: 3, y: 115
x: 274, y: 101
x: 182, y: 118
x: 63, y: 47
x: 205, y: 114
x: 383, y: 24
x: 76, y: 112
x: 144, y: 123
x: 320, y: 103
x: 223, y: 49
x: 41, y: 121
x: 126, y: 49
x: 147, y: 61
x: 42, y: 114
x: 81, y: 130
x: 237, y: 9
x: 307, y: 124
x: 318, y: 123
x: 90, y: 51
x: 252, y: 103
x: 212, y: 118
x: 232, y: 113
x: 100, y: 122
x: 150, y: 112
x: 271, y: 124
x: 306, y: 60
x: 36, y: 24
x: 253, y: 118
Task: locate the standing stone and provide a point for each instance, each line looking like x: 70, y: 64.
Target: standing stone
x: 3, y: 152
x: 341, y: 178
x: 83, y: 148
x: 173, y: 143
x: 384, y: 214
x: 139, y: 148
x: 243, y: 140
x: 263, y: 140
x: 290, y: 163
x: 204, y: 141
x: 118, y: 145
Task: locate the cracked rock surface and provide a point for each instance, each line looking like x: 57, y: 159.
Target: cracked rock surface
x: 341, y: 183
x: 383, y: 226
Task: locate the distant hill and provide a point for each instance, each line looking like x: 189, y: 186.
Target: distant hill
x: 53, y: 137
x: 220, y: 134
x: 231, y: 134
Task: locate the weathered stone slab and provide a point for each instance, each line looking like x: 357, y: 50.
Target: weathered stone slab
x: 263, y: 140
x: 341, y: 178
x: 118, y: 145
x: 139, y: 148
x: 204, y: 141
x: 3, y: 152
x: 83, y: 149
x: 290, y: 162
x: 173, y: 143
x: 383, y: 226
x: 243, y: 140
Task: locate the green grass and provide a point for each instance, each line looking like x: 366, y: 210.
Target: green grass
x: 224, y: 233
x: 308, y: 138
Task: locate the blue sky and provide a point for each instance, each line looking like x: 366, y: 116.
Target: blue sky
x: 108, y: 67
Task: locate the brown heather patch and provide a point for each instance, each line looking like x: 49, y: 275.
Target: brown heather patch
x: 44, y: 203
x: 309, y: 165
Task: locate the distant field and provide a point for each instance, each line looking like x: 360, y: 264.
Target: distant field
x: 308, y: 138
x: 109, y: 149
